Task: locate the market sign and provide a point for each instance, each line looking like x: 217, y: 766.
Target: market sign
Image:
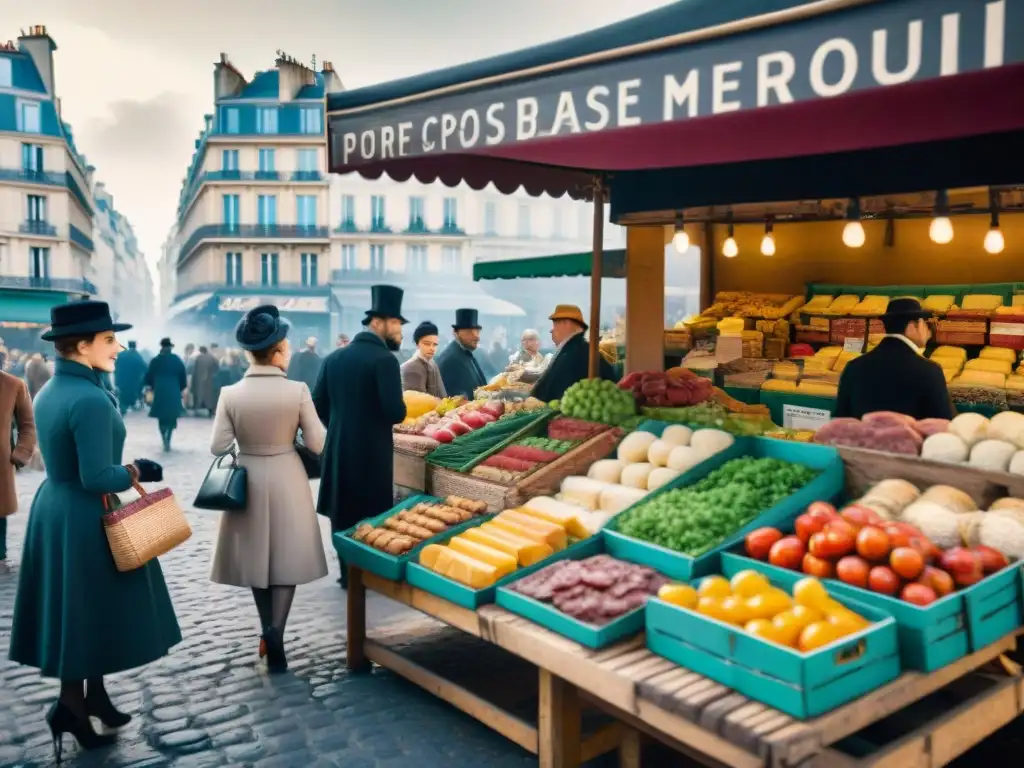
x: 869, y: 46
x: 799, y: 417
x: 283, y: 303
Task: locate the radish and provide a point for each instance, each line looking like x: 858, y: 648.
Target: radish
x: 457, y: 427
x: 473, y: 420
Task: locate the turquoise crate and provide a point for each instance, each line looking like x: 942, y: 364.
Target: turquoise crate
x: 802, y: 685
x: 549, y: 617
x: 827, y: 486
x: 385, y: 565
x: 995, y: 606
x: 467, y: 597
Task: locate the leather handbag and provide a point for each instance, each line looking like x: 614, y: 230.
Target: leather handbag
x: 310, y: 460
x: 225, y: 487
x: 144, y: 529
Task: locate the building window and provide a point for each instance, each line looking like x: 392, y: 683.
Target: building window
x: 490, y: 218
x: 29, y: 120
x: 268, y: 162
x: 266, y: 120
x: 233, y: 268
x: 348, y: 211
x: 229, y: 160
x: 556, y: 223
x: 524, y: 220
x: 309, y: 269
x: 230, y: 207
x: 6, y: 77
x: 305, y: 210
x: 451, y: 211
x: 266, y: 210
x: 231, y: 120
x: 31, y: 157
x: 310, y: 120
x: 39, y: 263
x: 451, y: 259
x: 416, y: 258
x: 307, y: 161
x: 377, y: 217
x: 377, y: 258
x: 348, y: 257
x: 417, y: 219
x: 36, y: 209
x: 268, y: 269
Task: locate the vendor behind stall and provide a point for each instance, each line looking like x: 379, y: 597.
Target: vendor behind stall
x: 528, y: 361
x: 572, y: 355
x: 460, y: 370
x: 895, y: 375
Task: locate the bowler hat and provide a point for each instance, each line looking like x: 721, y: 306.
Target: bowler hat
x: 426, y: 328
x: 165, y: 342
x: 261, y: 327
x: 466, y: 319
x: 80, y: 318
x: 568, y: 312
x: 907, y: 308
x: 385, y: 302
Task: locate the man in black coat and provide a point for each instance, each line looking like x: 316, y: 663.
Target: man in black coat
x: 460, y: 370
x: 571, y: 362
x: 129, y: 371
x: 305, y: 366
x: 895, y: 375
x: 358, y: 397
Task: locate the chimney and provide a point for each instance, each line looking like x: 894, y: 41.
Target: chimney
x: 292, y: 76
x: 227, y: 81
x: 332, y: 83
x: 40, y: 47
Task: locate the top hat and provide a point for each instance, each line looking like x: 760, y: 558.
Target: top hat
x: 260, y: 328
x: 166, y: 342
x: 466, y: 319
x: 909, y: 309
x: 81, y: 318
x: 385, y: 302
x: 568, y: 312
x: 132, y: 345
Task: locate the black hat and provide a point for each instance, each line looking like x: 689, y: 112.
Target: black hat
x: 261, y: 327
x: 466, y: 319
x: 385, y: 302
x: 166, y: 343
x: 131, y: 345
x: 909, y: 309
x: 426, y: 328
x: 80, y: 318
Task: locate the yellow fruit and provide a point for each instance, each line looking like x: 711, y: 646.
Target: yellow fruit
x: 711, y: 607
x: 749, y: 583
x: 735, y: 610
x: 767, y: 605
x: 806, y: 615
x: 846, y: 621
x: 682, y: 595
x: 788, y: 628
x: 817, y: 635
x: 762, y: 628
x: 714, y: 586
x: 810, y: 592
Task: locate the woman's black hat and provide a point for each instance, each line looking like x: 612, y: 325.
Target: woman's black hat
x: 260, y: 328
x: 466, y: 319
x: 385, y: 302
x: 426, y: 328
x: 80, y: 318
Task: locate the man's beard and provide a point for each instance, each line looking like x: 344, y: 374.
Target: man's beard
x: 393, y: 345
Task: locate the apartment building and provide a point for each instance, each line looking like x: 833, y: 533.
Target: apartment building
x: 118, y: 269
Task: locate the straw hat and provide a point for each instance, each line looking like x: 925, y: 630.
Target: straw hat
x: 568, y: 312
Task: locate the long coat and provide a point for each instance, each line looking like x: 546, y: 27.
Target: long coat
x: 421, y: 375
x: 359, y: 398
x: 305, y: 366
x: 275, y: 540
x: 570, y: 364
x: 166, y: 375
x: 893, y: 377
x: 15, y: 408
x: 37, y: 373
x: 128, y: 375
x: 204, y: 370
x: 460, y: 370
x: 75, y: 615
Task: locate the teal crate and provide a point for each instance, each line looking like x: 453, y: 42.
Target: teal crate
x: 549, y: 617
x: 827, y: 486
x: 388, y: 566
x: 995, y: 606
x: 467, y: 597
x: 802, y: 685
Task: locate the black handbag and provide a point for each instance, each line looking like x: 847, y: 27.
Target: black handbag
x: 310, y: 460
x: 224, y: 488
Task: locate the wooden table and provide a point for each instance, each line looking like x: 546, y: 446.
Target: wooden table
x: 935, y: 717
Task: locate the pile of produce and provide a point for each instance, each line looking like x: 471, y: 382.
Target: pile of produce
x: 805, y: 621
x: 713, y: 414
x: 422, y: 411
x: 527, y: 454
x: 561, y: 447
x: 597, y: 400
x: 472, y: 440
x: 516, y: 538
x: 646, y: 462
x: 657, y: 388
x: 699, y: 517
x: 933, y: 548
x: 529, y: 405
x: 404, y: 530
x: 597, y: 590
x: 881, y: 431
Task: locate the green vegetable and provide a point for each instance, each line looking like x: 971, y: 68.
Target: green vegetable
x: 598, y: 400
x: 699, y: 517
x: 466, y: 449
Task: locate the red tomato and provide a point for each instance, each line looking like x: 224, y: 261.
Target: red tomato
x: 901, y: 534
x: 807, y: 526
x: 992, y: 560
x: 822, y: 509
x: 907, y: 562
x: 759, y: 542
x: 959, y: 560
x: 787, y: 552
x: 937, y: 579
x: 873, y: 544
x: 883, y: 580
x: 859, y: 516
x: 840, y: 539
x: 918, y: 594
x: 818, y: 567
x: 853, y: 570
x: 816, y: 545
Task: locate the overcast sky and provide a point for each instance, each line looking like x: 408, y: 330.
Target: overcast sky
x: 135, y: 77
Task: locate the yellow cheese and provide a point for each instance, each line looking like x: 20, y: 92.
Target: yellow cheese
x: 465, y: 570
x: 817, y: 303
x: 956, y: 352
x: 558, y: 512
x: 843, y: 305
x: 431, y: 555
x: 871, y: 305
x: 732, y: 325
x: 818, y: 365
x: 949, y: 375
x: 992, y: 366
x: 555, y: 539
x: 981, y: 302
x: 1018, y: 300
x: 939, y: 304
x: 778, y: 385
x: 819, y: 390
x: 525, y: 551
x: 786, y: 370
x: 998, y: 353
x: 980, y: 379
x: 829, y: 352
x: 504, y: 562
x: 555, y: 531
x: 1015, y: 383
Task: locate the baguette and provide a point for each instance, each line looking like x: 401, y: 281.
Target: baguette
x: 470, y: 505
x: 362, y: 532
x: 378, y: 538
x: 423, y: 521
x: 400, y: 545
x: 448, y: 515
x: 409, y: 529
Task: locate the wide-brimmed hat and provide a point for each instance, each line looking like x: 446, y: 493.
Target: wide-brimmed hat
x: 466, y: 320
x: 80, y: 318
x: 908, y: 309
x: 166, y: 343
x: 385, y: 302
x: 260, y: 328
x: 568, y: 312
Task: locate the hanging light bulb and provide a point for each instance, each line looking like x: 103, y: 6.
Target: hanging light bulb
x: 680, y: 240
x: 853, y: 232
x: 941, y: 228
x: 729, y: 248
x: 994, y: 241
x: 768, y: 241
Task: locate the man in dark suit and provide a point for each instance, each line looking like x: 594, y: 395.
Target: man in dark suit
x: 895, y: 375
x: 571, y: 362
x: 358, y: 397
x: 460, y: 370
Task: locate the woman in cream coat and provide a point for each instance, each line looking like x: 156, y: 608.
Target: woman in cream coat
x: 273, y: 544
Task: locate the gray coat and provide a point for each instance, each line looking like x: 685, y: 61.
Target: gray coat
x: 421, y: 375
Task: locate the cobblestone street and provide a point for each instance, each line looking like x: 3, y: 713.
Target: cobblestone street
x: 211, y: 702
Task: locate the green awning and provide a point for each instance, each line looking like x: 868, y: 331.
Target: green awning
x: 28, y: 307
x: 562, y: 265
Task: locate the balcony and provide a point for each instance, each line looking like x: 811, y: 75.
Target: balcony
x: 409, y: 277
x: 269, y: 176
x: 49, y: 179
x: 250, y: 232
x: 256, y: 287
x: 68, y: 284
x: 347, y: 226
x: 307, y: 176
x: 79, y: 238
x: 41, y: 228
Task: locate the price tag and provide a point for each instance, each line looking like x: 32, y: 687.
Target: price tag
x: 853, y: 345
x: 798, y: 417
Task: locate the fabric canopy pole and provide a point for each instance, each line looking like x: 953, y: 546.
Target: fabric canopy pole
x: 595, y: 276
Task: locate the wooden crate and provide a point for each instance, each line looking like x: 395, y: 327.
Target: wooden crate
x: 410, y: 470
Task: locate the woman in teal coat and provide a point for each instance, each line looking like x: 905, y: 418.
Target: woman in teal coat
x: 76, y: 617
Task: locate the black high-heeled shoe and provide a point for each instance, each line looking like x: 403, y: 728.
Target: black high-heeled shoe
x: 62, y: 720
x: 107, y: 713
x: 277, y: 662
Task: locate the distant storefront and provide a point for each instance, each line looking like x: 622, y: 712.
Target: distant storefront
x: 25, y: 314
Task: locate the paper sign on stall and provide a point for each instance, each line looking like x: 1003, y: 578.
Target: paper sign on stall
x: 853, y: 345
x: 798, y: 417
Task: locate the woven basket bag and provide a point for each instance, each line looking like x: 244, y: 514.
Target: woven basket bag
x: 144, y: 529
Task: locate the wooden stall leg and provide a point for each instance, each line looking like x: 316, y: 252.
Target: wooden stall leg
x: 356, y: 622
x: 629, y: 749
x: 559, y: 723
